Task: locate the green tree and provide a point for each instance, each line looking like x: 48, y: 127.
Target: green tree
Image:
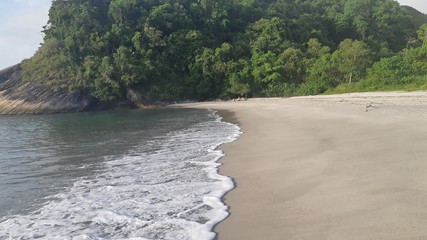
x: 294, y: 65
x: 315, y: 49
x: 422, y: 33
x: 106, y: 85
x: 353, y: 58
x: 240, y: 78
x: 322, y: 75
x: 211, y: 70
x: 360, y: 13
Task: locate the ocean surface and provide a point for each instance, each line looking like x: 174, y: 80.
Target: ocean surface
x: 113, y: 175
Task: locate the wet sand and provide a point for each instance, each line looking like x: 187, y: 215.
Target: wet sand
x: 348, y: 166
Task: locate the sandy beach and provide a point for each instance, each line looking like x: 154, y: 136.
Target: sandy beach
x: 350, y: 166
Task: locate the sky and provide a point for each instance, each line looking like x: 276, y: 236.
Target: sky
x: 420, y: 5
x: 21, y: 23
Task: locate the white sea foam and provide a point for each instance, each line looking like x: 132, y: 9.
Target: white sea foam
x: 168, y: 188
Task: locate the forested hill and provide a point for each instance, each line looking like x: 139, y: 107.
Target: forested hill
x: 171, y: 50
x: 419, y: 17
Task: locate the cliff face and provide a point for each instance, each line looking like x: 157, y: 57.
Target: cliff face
x: 17, y: 97
x: 36, y: 97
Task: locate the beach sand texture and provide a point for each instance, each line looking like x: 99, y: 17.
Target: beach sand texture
x: 350, y: 166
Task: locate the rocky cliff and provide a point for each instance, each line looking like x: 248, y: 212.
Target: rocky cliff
x: 36, y: 97
x: 18, y: 97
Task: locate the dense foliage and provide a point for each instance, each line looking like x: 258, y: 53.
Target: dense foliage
x: 205, y: 49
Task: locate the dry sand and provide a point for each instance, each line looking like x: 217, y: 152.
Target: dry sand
x: 327, y: 167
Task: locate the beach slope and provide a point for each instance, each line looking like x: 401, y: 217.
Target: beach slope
x: 350, y: 166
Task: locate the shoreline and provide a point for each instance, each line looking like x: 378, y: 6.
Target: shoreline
x: 326, y: 167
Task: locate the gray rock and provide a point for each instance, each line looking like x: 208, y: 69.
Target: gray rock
x: 18, y: 97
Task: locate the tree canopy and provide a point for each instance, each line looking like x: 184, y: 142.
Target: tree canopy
x: 203, y: 49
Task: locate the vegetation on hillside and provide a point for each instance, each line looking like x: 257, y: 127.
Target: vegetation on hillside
x: 204, y: 49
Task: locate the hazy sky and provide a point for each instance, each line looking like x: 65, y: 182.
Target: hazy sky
x: 21, y: 23
x: 420, y: 5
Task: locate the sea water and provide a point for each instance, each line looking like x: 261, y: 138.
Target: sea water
x: 113, y: 175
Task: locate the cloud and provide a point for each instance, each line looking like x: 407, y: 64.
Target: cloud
x: 21, y: 24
